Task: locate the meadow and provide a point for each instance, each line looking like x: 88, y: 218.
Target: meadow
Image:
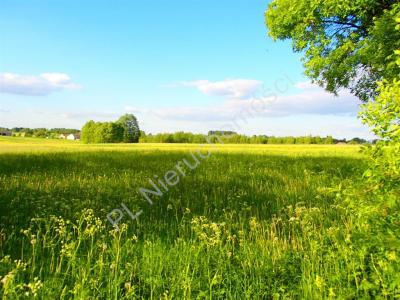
x: 250, y: 222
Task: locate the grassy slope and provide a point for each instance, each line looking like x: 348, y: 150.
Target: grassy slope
x: 251, y: 221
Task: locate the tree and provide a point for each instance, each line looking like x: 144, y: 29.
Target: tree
x: 102, y: 132
x: 356, y: 141
x: 221, y: 132
x: 329, y: 140
x: 346, y: 44
x: 108, y: 132
x: 87, y: 132
x: 131, y: 128
x: 40, y: 132
x: 318, y: 140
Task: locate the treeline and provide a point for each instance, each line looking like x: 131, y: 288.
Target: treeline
x: 124, y: 130
x: 39, y: 132
x: 191, y: 138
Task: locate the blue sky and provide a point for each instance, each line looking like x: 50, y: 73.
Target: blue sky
x: 177, y: 65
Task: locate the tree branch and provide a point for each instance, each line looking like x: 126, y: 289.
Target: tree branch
x: 343, y: 23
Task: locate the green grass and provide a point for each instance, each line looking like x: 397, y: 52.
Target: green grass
x: 252, y: 221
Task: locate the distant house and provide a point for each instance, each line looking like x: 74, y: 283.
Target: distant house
x: 4, y: 132
x: 74, y: 136
x: 70, y: 136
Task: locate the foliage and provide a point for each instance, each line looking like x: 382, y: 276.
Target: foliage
x: 88, y: 132
x: 221, y: 132
x: 41, y: 132
x: 126, y: 130
x: 131, y: 128
x: 108, y: 132
x: 346, y: 44
x: 88, y: 136
x: 373, y: 202
x: 187, y: 137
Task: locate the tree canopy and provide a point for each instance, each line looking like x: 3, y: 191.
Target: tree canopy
x: 187, y: 137
x: 126, y: 130
x: 131, y: 128
x: 346, y: 44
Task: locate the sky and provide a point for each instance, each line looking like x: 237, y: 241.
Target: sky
x: 177, y: 65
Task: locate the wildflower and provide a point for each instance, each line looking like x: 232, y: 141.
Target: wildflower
x: 26, y: 232
x: 104, y: 246
x: 241, y: 237
x: 8, y: 278
x: 331, y: 293
x: 33, y: 239
x: 19, y: 264
x: 209, y: 233
x: 60, y: 227
x: 253, y: 224
x: 128, y: 286
x: 319, y: 282
x: 391, y: 256
x: 67, y: 249
x: 34, y: 287
x: 348, y: 238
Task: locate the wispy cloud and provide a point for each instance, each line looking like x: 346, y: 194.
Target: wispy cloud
x: 312, y: 99
x: 42, y: 85
x: 309, y: 99
x: 82, y: 116
x: 86, y: 115
x: 4, y: 110
x: 229, y: 88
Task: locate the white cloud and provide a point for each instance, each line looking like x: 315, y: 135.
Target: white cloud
x: 316, y: 102
x: 306, y: 85
x: 4, y: 110
x: 134, y: 109
x: 41, y: 85
x: 88, y: 115
x: 307, y: 110
x: 308, y: 100
x: 229, y: 88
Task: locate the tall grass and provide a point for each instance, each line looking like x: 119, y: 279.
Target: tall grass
x: 250, y: 222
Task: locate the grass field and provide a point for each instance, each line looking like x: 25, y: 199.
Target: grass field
x: 249, y: 222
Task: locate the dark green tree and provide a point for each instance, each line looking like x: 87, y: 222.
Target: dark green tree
x: 131, y: 128
x: 346, y: 44
x: 108, y: 132
x: 40, y: 132
x: 102, y: 132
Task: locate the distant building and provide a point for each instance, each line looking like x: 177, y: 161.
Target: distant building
x: 4, y: 132
x: 74, y: 136
x: 70, y: 136
x: 341, y: 143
